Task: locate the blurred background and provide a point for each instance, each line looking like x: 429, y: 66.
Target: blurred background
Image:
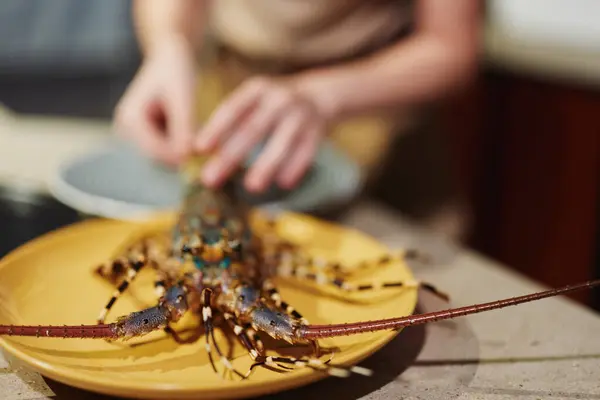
x: 523, y: 140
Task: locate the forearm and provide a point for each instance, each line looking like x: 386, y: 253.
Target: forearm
x: 156, y: 20
x: 415, y: 74
x: 439, y: 57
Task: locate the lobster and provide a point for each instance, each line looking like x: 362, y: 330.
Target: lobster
x: 213, y: 265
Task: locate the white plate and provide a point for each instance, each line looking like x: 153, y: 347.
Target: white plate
x: 119, y: 182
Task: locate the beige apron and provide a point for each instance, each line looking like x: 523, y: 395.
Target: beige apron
x: 247, y: 38
x: 277, y: 37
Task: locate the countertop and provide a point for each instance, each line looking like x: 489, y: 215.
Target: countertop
x: 542, y: 350
x: 33, y: 147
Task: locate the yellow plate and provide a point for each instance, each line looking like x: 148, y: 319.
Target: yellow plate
x: 49, y: 281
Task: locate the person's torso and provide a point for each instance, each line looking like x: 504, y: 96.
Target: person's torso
x: 307, y: 30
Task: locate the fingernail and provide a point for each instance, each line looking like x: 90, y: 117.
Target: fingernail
x: 286, y: 182
x: 254, y: 184
x: 210, y: 173
x: 183, y: 151
x: 202, y: 144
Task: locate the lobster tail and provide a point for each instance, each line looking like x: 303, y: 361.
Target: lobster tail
x: 327, y: 331
x: 105, y: 331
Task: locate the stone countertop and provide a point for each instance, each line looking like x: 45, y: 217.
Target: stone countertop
x: 542, y: 350
x: 33, y: 147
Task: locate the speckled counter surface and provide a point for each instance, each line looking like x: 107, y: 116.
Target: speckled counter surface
x: 542, y: 350
x: 32, y: 147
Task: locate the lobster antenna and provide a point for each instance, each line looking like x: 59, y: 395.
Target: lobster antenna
x: 327, y: 331
x: 104, y: 331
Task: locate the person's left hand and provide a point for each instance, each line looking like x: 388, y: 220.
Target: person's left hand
x: 258, y: 108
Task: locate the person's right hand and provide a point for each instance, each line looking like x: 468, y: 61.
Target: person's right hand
x: 157, y: 110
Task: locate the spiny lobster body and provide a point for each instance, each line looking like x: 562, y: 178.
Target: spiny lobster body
x: 212, y: 265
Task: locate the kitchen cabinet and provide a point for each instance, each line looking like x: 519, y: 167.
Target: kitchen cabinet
x: 527, y: 139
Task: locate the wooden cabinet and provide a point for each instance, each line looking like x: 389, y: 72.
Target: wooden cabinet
x: 529, y: 154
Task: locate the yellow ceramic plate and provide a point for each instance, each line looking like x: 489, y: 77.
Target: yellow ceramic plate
x: 50, y: 281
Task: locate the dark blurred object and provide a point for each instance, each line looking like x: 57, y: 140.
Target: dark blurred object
x: 596, y: 294
x: 529, y: 155
x: 25, y: 214
x: 66, y: 57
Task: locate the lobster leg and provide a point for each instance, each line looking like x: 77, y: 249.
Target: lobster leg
x: 288, y: 268
x: 276, y: 362
x: 287, y: 251
x: 349, y: 288
x: 242, y: 335
x: 314, y: 363
x: 326, y: 266
x: 116, y: 269
x: 160, y: 287
x: 280, y: 325
x: 255, y: 337
x: 178, y: 339
x: 144, y: 252
x: 207, y: 320
x: 131, y: 275
x: 275, y: 296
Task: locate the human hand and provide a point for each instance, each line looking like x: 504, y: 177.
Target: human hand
x: 156, y: 111
x: 262, y: 107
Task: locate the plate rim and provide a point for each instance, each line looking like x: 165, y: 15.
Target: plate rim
x: 105, y: 386
x: 108, y: 207
x: 88, y: 203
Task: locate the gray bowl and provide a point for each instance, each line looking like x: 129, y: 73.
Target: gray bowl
x: 119, y: 182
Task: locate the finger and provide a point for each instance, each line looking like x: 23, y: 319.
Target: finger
x: 140, y: 128
x: 153, y: 142
x: 179, y: 104
x: 302, y: 158
x: 261, y: 173
x: 229, y: 113
x: 243, y: 141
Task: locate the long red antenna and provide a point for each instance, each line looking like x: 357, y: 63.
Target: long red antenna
x: 105, y: 331
x: 327, y: 331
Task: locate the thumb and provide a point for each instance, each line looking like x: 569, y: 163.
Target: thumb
x: 179, y: 106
